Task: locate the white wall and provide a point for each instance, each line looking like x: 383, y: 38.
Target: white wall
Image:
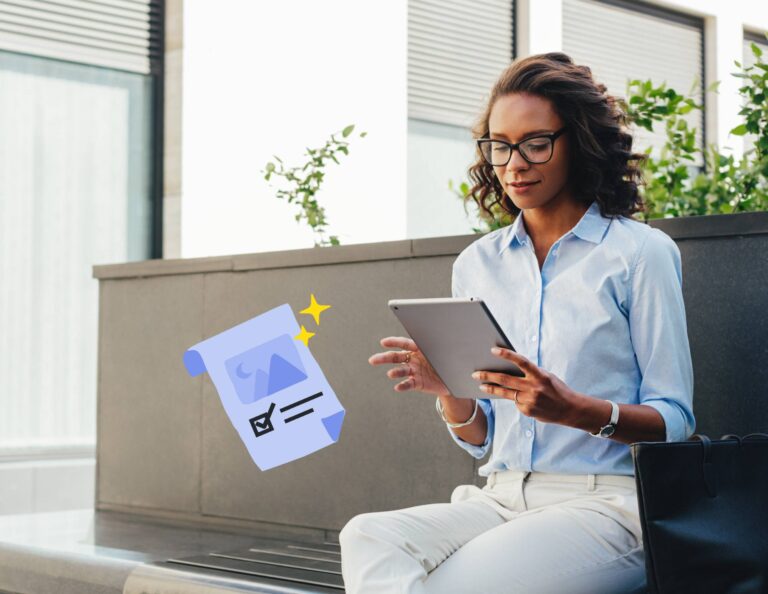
x: 264, y: 78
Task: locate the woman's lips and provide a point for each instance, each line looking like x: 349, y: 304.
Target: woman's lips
x: 521, y: 188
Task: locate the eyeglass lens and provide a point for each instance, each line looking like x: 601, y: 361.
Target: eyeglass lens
x: 535, y: 150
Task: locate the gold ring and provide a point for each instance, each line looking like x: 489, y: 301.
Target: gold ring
x: 407, y: 357
x: 516, y: 393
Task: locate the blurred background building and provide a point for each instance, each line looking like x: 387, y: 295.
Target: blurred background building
x: 136, y: 129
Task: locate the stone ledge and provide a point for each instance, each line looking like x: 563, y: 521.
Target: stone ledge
x: 679, y: 228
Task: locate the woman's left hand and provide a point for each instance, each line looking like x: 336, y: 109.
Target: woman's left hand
x: 542, y: 395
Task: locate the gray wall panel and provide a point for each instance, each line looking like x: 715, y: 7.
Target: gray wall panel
x: 725, y: 287
x: 148, y: 420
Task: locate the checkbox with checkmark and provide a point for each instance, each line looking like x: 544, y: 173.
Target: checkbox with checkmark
x: 262, y: 424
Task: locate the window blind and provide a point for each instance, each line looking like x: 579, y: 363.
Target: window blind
x: 120, y: 34
x: 621, y: 41
x: 456, y: 51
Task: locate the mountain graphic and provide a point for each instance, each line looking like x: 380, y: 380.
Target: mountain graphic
x: 281, y: 375
x: 266, y: 369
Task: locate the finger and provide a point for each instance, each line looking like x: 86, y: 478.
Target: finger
x: 394, y: 357
x: 399, y: 371
x: 524, y: 364
x: 399, y: 342
x: 503, y: 392
x: 503, y: 379
x: 404, y: 385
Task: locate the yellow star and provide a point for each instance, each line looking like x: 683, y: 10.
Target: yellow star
x: 304, y: 336
x: 314, y: 309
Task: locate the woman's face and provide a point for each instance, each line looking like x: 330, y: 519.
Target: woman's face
x: 519, y: 116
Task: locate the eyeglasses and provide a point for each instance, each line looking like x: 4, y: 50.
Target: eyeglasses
x: 536, y: 149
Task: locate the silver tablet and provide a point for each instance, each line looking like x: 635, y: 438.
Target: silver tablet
x: 456, y: 334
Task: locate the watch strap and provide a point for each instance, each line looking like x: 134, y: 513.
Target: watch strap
x: 612, y: 422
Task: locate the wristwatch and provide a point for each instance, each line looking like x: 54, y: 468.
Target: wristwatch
x: 607, y: 430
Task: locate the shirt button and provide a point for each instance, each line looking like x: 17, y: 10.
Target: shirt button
x: 528, y: 432
x: 534, y: 338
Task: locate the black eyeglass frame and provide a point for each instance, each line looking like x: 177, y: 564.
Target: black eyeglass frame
x: 512, y: 146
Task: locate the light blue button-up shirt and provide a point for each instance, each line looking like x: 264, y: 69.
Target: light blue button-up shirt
x: 605, y: 314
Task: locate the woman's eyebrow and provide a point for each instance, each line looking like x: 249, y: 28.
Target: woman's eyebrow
x: 526, y: 135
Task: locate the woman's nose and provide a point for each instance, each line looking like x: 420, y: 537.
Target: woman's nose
x: 516, y: 162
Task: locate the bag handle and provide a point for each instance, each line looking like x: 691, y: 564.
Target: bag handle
x: 748, y: 436
x: 707, y: 469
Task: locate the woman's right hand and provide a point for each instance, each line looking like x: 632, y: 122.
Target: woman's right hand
x: 419, y: 373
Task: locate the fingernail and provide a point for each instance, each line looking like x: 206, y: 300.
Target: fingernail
x: 496, y: 350
x: 476, y: 375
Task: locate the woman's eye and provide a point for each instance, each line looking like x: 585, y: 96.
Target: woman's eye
x: 537, y: 146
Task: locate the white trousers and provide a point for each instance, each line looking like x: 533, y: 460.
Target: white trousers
x: 523, y: 532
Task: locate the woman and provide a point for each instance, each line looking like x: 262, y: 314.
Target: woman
x: 591, y: 299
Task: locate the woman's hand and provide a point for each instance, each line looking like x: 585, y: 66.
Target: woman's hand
x: 542, y: 395
x: 419, y: 374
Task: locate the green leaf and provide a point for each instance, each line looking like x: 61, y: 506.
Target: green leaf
x: 348, y: 130
x: 740, y: 130
x: 756, y: 50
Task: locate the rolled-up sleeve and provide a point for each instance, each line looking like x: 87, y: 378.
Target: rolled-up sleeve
x: 477, y: 451
x: 659, y: 334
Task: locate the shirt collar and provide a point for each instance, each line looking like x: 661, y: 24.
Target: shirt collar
x: 591, y: 227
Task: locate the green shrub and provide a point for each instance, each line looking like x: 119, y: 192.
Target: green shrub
x: 305, y: 181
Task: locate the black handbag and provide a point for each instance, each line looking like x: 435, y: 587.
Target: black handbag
x: 704, y: 512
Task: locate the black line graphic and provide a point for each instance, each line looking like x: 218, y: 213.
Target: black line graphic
x: 298, y: 416
x: 300, y: 402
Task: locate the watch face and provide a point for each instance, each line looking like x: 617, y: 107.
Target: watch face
x: 607, y: 431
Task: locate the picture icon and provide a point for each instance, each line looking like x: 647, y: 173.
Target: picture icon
x: 266, y: 369
x: 271, y: 387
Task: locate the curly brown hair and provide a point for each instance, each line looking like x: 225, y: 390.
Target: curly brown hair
x: 602, y: 165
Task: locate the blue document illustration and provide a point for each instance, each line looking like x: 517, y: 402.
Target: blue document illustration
x: 272, y: 389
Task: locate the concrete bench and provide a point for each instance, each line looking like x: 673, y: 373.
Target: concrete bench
x: 169, y: 463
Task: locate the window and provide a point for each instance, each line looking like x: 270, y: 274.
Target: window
x: 456, y: 51
x: 621, y: 40
x: 78, y: 184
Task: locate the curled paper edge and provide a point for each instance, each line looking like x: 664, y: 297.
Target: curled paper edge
x: 194, y: 363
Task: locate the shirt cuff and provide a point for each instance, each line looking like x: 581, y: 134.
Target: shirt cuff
x: 675, y: 421
x: 478, y: 451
